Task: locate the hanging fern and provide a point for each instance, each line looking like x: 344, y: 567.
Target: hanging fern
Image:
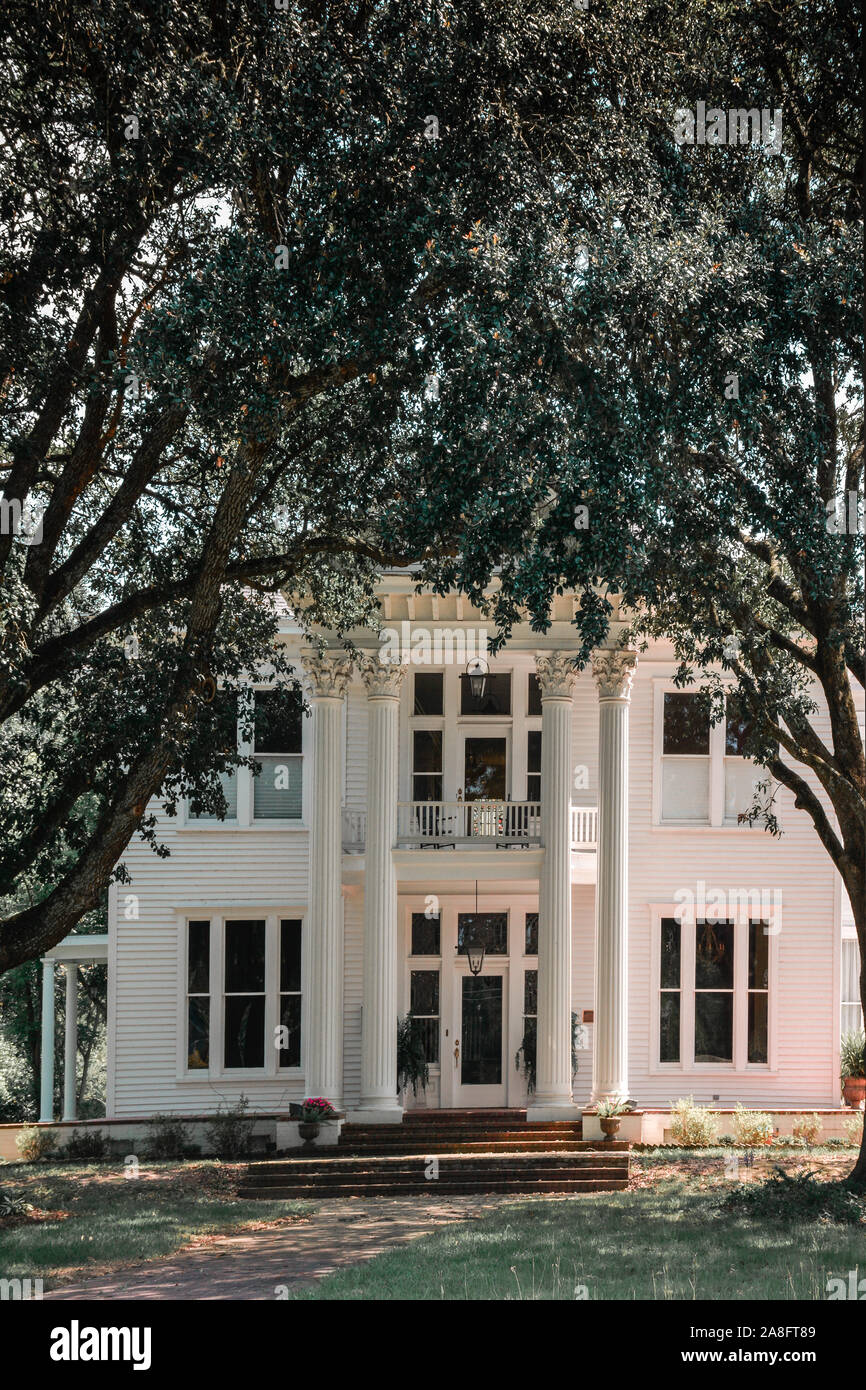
x: 412, y: 1068
x: 525, y: 1056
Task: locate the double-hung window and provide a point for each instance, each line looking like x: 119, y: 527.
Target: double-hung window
x: 220, y: 724
x: 277, y: 793
x: 704, y: 776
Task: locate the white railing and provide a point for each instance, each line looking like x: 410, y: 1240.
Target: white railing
x: 584, y: 827
x: 489, y: 823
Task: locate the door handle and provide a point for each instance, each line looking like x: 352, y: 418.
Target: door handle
x: 457, y: 1052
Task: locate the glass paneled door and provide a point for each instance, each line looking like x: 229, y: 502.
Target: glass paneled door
x: 478, y: 1054
x: 485, y: 779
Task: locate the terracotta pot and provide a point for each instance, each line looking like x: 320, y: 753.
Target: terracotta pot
x: 854, y: 1090
x: 610, y: 1125
x: 308, y: 1130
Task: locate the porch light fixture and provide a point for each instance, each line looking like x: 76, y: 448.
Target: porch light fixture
x: 477, y: 670
x: 476, y: 941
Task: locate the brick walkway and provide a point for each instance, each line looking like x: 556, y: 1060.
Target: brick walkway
x: 255, y: 1266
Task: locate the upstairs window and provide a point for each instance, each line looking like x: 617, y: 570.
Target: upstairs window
x: 533, y: 765
x: 685, y: 759
x: 495, y: 700
x: 533, y: 695
x: 427, y: 765
x: 428, y: 693
x: 741, y: 773
x: 277, y: 790
x: 222, y: 727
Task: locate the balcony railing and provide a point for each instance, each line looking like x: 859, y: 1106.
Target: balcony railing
x: 495, y: 824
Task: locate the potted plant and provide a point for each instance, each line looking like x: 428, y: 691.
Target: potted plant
x: 412, y: 1068
x: 853, y: 1069
x: 314, y: 1109
x: 609, y: 1115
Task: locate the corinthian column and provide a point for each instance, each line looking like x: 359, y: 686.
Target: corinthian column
x: 614, y: 672
x: 379, y: 1016
x: 553, y: 1098
x: 328, y: 675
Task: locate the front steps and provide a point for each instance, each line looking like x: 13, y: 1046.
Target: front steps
x: 447, y: 1153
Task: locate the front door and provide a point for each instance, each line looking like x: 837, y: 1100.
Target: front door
x: 479, y: 1052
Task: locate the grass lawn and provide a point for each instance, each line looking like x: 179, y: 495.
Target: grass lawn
x: 662, y: 1240
x: 90, y: 1216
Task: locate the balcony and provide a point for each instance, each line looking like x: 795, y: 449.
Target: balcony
x: 475, y: 824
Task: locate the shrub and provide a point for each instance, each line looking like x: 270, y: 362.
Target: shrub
x: 797, y: 1198
x: 752, y: 1126
x: 84, y: 1144
x: 854, y: 1128
x: 230, y: 1132
x: 692, y: 1126
x: 33, y: 1143
x: 807, y: 1127
x: 166, y: 1137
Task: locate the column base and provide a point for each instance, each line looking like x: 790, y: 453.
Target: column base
x: 376, y: 1112
x: 552, y: 1110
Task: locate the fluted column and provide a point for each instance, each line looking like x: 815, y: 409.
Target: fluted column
x: 553, y: 1096
x: 46, y: 1099
x: 379, y: 1016
x: 70, y: 1048
x: 328, y: 677
x: 614, y: 672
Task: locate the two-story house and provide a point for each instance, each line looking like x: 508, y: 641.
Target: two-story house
x: 526, y: 857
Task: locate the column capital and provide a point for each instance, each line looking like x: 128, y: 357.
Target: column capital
x: 557, y: 674
x: 327, y: 673
x: 382, y: 678
x: 614, y: 670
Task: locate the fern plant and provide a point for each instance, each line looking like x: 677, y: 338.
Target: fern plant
x: 851, y: 1057
x: 412, y: 1068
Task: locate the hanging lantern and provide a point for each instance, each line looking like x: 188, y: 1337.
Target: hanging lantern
x: 477, y: 670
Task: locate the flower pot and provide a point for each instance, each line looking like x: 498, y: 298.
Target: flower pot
x: 609, y: 1126
x: 308, y: 1130
x: 854, y: 1090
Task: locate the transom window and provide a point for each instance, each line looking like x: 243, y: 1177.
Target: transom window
x: 493, y: 924
x: 495, y: 700
x: 714, y: 993
x: 428, y: 693
x: 425, y: 934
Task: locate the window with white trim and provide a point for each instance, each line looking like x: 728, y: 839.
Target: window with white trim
x: 277, y: 790
x: 714, y: 984
x: 852, y: 1009
x: 704, y: 776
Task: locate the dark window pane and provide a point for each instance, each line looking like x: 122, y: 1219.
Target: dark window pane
x: 530, y: 992
x: 533, y: 786
x: 686, y: 725
x: 738, y: 728
x: 427, y: 787
x: 533, y: 701
x: 531, y: 940
x: 427, y: 1031
x: 245, y: 957
x: 714, y: 1027
x: 493, y: 924
x: 495, y: 700
x: 199, y: 958
x: 424, y: 992
x: 533, y: 751
x: 759, y: 956
x: 278, y: 720
x: 481, y: 1043
x: 428, y: 692
x: 290, y: 1019
x: 758, y: 1027
x: 225, y: 721
x: 290, y: 954
x: 428, y: 750
x: 425, y: 934
x: 485, y: 765
x: 670, y: 960
x: 714, y: 955
x: 245, y: 1030
x: 669, y: 1027
x: 198, y: 1032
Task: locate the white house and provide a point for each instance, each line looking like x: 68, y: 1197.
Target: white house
x: 581, y: 826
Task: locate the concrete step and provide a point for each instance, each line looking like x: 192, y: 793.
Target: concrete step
x: 459, y: 1187
x: 479, y: 1146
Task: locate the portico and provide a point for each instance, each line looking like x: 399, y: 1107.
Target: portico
x: 538, y: 848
